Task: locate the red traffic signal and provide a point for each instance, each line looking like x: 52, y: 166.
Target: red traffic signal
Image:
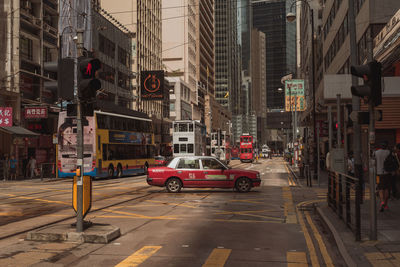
x: 372, y: 75
x: 88, y: 84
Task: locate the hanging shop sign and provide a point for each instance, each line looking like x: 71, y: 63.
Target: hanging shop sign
x: 294, y: 95
x: 35, y: 112
x: 5, y: 116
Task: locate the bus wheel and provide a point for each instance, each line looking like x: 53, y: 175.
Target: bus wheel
x: 243, y: 185
x: 174, y: 185
x: 110, y: 171
x: 119, y: 171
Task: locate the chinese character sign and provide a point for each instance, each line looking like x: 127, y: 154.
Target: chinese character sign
x: 294, y: 95
x: 5, y: 116
x: 35, y: 112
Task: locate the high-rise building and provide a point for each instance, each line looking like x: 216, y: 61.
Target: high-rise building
x: 188, y: 41
x: 227, y: 54
x: 143, y: 20
x: 259, y: 82
x: 269, y: 16
x: 29, y: 38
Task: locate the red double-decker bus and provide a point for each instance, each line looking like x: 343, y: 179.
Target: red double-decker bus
x: 246, y: 148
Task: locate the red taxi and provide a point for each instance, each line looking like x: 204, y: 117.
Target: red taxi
x: 201, y: 171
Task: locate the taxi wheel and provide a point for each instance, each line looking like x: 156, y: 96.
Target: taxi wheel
x: 119, y: 171
x: 174, y: 185
x: 243, y: 184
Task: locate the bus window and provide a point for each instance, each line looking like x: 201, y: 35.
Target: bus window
x: 176, y: 128
x: 183, y: 148
x: 190, y: 148
x: 104, y: 152
x: 183, y: 127
x: 176, y: 148
x: 190, y: 127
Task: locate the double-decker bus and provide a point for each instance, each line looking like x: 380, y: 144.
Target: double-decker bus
x: 221, y: 148
x: 114, y: 144
x: 246, y: 148
x: 189, y: 138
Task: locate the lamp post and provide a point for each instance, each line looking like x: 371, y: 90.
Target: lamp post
x: 290, y: 18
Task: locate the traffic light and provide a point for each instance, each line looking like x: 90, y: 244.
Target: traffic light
x: 372, y: 75
x: 65, y: 84
x: 88, y: 84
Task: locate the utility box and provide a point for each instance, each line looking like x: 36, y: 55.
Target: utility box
x: 337, y: 160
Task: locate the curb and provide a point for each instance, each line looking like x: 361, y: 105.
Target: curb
x: 339, y: 242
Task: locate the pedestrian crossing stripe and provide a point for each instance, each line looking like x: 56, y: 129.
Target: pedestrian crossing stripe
x: 139, y: 256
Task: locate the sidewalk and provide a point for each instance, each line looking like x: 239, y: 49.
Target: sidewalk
x: 383, y: 252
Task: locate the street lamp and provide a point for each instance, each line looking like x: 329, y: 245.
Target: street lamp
x: 290, y: 17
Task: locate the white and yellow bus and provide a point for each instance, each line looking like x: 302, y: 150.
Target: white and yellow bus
x: 114, y: 144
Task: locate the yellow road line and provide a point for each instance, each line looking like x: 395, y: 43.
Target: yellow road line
x: 310, y: 245
x: 139, y: 256
x: 139, y: 215
x: 322, y: 247
x: 39, y: 199
x: 296, y: 259
x: 217, y: 257
x: 11, y: 213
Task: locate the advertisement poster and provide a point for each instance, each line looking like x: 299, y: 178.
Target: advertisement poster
x: 5, y: 116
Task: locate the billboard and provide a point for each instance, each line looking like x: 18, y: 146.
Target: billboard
x: 152, y: 85
x: 294, y: 95
x: 6, y: 114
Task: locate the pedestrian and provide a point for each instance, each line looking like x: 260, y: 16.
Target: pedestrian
x: 383, y: 179
x: 32, y: 167
x: 350, y: 164
x: 25, y: 166
x: 13, y: 167
x: 396, y: 174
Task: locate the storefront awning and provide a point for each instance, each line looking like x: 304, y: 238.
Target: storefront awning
x: 19, y: 131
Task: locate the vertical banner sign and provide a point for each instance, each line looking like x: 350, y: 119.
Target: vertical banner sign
x: 294, y: 95
x: 5, y: 116
x: 152, y: 85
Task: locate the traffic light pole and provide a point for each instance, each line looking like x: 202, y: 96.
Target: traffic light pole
x: 358, y: 170
x: 80, y: 143
x: 372, y: 171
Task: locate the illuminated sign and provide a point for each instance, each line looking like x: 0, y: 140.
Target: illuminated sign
x: 152, y: 85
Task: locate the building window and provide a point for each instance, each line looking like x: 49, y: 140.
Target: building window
x: 26, y: 48
x: 123, y: 57
x: 107, y: 74
x: 106, y: 46
x: 47, y: 54
x: 172, y: 106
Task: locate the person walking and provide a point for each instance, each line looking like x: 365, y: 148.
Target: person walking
x: 32, y: 167
x: 396, y: 175
x: 13, y: 167
x: 383, y: 179
x: 25, y: 166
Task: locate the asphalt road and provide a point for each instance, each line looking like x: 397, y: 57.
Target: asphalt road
x: 272, y: 225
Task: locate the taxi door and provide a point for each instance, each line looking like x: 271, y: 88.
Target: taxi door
x: 188, y: 169
x: 215, y: 174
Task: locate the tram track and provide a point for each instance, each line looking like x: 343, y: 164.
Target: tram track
x: 117, y: 195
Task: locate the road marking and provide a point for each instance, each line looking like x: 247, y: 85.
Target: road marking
x: 139, y: 256
x: 296, y: 259
x: 289, y: 210
x: 322, y: 247
x: 217, y: 257
x: 38, y: 199
x: 11, y: 213
x: 310, y: 245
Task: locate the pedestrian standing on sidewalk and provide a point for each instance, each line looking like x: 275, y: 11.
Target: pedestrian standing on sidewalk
x: 396, y: 174
x: 32, y: 167
x: 350, y: 164
x: 383, y: 179
x: 13, y: 168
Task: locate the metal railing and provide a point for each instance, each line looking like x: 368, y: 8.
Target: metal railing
x: 344, y: 198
